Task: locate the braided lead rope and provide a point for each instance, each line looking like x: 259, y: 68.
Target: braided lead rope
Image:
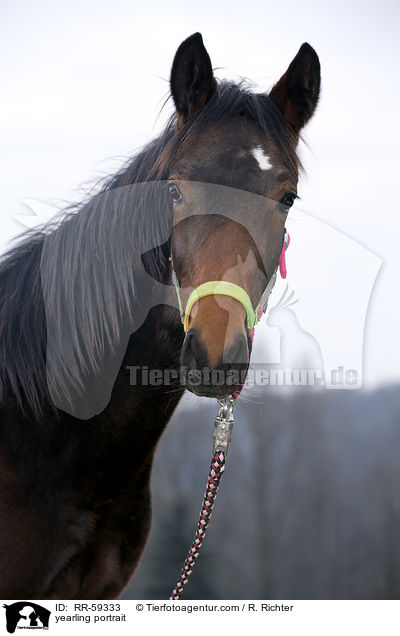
x: 216, y: 470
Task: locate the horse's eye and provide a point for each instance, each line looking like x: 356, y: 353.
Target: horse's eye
x: 174, y: 192
x: 287, y: 201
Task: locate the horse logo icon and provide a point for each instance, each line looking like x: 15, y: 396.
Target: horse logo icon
x: 26, y: 615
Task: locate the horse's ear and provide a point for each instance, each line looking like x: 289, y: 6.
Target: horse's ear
x: 192, y: 79
x: 297, y: 92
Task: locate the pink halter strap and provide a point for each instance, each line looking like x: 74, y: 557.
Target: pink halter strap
x: 282, y: 258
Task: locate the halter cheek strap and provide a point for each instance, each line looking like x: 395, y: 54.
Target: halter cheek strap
x: 225, y: 288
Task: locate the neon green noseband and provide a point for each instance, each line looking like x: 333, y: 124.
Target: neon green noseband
x: 222, y: 288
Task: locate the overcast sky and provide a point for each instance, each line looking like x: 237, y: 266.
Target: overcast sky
x: 83, y: 84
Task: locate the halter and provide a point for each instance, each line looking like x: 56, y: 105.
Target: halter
x: 226, y: 288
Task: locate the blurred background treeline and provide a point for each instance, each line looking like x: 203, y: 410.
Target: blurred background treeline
x: 308, y: 508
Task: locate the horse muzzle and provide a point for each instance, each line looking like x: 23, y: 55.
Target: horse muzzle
x: 217, y: 380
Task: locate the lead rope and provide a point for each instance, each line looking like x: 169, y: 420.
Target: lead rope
x: 216, y: 471
x: 222, y: 433
x: 222, y: 436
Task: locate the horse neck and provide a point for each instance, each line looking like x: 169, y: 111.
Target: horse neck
x: 147, y: 388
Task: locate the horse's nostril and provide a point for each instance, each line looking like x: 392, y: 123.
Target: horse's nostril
x: 238, y: 353
x: 194, y: 354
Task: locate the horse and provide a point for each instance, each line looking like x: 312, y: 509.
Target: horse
x: 87, y: 316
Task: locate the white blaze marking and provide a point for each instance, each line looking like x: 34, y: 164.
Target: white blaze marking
x: 261, y: 158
